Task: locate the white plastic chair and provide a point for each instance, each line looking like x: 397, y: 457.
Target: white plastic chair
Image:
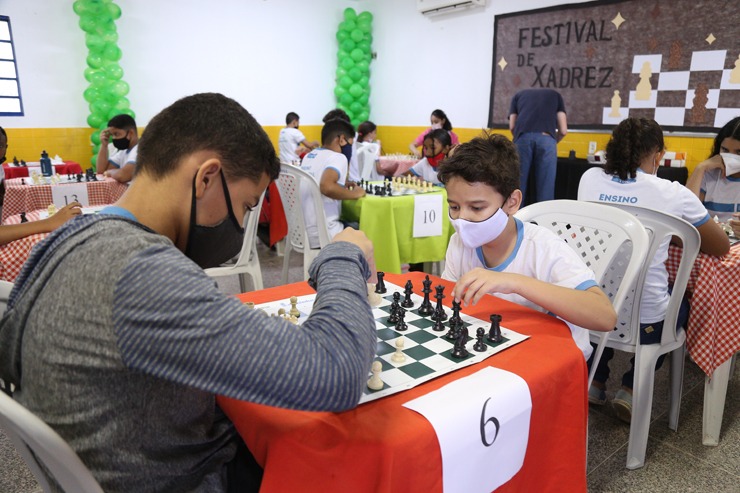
x: 49, y: 457
x: 248, y: 262
x: 626, y: 335
x: 611, y: 242
x: 289, y: 184
x: 367, y: 154
x: 5, y: 289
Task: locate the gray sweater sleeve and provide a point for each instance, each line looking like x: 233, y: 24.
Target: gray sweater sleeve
x: 194, y: 335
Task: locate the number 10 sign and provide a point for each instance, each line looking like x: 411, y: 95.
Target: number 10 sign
x: 427, y: 215
x: 62, y: 195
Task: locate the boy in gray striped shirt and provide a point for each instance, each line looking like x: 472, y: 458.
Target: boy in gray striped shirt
x: 117, y: 339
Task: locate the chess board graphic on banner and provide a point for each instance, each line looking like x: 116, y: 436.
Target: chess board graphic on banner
x: 427, y: 354
x: 677, y: 62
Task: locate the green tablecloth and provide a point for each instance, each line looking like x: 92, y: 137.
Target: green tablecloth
x: 389, y: 223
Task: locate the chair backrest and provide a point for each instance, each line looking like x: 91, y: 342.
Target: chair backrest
x: 367, y: 154
x: 611, y: 242
x: 290, y: 183
x: 661, y: 227
x: 48, y: 456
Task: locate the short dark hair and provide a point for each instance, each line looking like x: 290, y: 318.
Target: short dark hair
x: 335, y: 127
x: 2, y: 131
x: 365, y: 128
x: 731, y: 130
x: 291, y: 117
x: 336, y: 113
x: 440, y: 134
x: 631, y: 141
x: 122, y: 121
x: 491, y: 159
x: 210, y: 122
x: 441, y: 115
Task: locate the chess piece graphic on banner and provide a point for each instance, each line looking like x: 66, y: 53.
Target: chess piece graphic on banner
x: 616, y: 103
x: 643, y: 87
x: 735, y: 74
x: 699, y: 110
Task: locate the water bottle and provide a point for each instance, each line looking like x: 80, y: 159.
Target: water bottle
x: 46, y: 168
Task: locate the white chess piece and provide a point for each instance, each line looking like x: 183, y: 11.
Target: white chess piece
x: 399, y: 356
x: 294, y: 312
x: 375, y: 383
x: 372, y: 297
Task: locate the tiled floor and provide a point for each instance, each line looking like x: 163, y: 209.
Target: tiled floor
x: 676, y: 461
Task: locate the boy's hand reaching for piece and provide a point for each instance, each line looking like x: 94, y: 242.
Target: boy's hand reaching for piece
x: 471, y: 287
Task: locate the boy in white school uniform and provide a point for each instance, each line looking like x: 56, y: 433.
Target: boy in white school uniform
x: 118, y: 163
x: 328, y: 166
x: 290, y: 138
x: 494, y: 253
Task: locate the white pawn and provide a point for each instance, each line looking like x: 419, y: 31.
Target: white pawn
x: 399, y: 356
x: 375, y: 383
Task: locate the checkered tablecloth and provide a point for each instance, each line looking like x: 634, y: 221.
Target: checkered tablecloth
x: 24, y: 198
x: 14, y: 254
x: 713, y: 333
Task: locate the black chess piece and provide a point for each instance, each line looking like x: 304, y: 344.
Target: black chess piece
x: 494, y: 333
x: 438, y: 326
x: 395, y: 305
x: 401, y: 325
x: 458, y: 350
x: 408, y: 291
x: 24, y: 219
x: 439, y: 311
x: 79, y: 177
x: 456, y: 312
x: 479, y: 345
x: 23, y: 181
x: 380, y: 286
x: 426, y: 307
x: 23, y: 163
x: 15, y: 161
x: 451, y: 335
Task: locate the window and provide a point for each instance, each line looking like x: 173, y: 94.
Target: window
x: 10, y: 89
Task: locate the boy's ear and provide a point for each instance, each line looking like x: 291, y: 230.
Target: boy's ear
x: 513, y: 202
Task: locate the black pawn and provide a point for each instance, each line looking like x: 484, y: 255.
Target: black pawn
x: 426, y: 307
x: 479, y: 345
x: 401, y: 325
x: 456, y: 313
x: 24, y: 219
x: 452, y: 334
x: 439, y: 311
x: 438, y: 326
x: 408, y: 291
x: 23, y: 181
x: 494, y: 333
x: 395, y: 305
x: 380, y: 286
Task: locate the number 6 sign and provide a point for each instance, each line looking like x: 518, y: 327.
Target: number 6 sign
x: 62, y: 195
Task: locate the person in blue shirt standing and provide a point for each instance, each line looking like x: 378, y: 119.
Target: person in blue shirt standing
x: 538, y: 122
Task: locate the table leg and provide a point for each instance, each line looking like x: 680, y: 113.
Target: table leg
x: 715, y: 391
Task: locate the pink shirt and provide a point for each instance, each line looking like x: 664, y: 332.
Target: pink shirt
x: 420, y: 139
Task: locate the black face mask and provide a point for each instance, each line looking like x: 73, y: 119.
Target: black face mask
x: 121, y: 144
x: 347, y: 151
x: 211, y: 246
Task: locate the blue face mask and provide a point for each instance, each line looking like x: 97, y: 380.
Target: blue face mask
x: 347, y: 151
x: 211, y: 246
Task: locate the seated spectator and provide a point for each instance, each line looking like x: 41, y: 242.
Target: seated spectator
x: 117, y: 155
x: 438, y: 120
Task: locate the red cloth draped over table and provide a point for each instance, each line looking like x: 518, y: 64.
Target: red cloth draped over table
x: 713, y: 332
x: 14, y: 254
x: 383, y: 447
x: 25, y: 198
x: 68, y: 168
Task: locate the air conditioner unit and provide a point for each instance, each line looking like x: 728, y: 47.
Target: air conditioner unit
x: 436, y: 7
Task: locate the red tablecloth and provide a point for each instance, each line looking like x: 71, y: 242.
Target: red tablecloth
x: 14, y: 254
x: 713, y: 332
x: 383, y: 447
x: 68, y: 168
x: 401, y: 164
x: 24, y: 198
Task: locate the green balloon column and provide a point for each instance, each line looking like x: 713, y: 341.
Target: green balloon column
x: 353, y: 71
x: 106, y: 93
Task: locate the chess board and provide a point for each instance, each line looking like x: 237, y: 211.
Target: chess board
x: 399, y: 190
x: 427, y: 352
x: 673, y: 92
